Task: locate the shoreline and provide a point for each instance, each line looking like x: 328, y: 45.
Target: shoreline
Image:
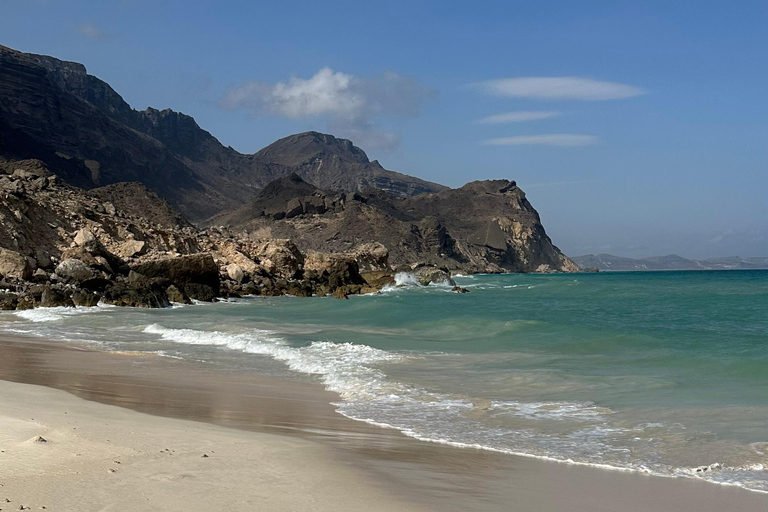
x: 426, y: 474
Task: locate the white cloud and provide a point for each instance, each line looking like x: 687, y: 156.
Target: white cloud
x: 556, y: 139
x: 350, y: 103
x: 91, y: 31
x: 558, y: 88
x: 518, y: 117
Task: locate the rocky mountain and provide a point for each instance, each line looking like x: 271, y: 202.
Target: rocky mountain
x: 85, y: 133
x: 670, y: 262
x: 484, y: 226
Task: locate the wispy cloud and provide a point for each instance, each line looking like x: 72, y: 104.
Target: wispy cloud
x: 558, y: 88
x: 91, y: 31
x: 555, y: 139
x: 518, y: 117
x: 350, y: 103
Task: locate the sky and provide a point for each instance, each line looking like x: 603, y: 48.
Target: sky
x: 635, y: 128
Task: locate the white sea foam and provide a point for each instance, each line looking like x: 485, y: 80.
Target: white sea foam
x: 55, y: 314
x: 406, y: 279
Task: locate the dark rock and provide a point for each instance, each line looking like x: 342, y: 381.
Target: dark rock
x: 8, y: 301
x: 139, y: 291
x: 201, y: 292
x: 183, y: 270
x: 340, y: 293
x: 51, y: 297
x: 459, y: 289
x: 86, y: 298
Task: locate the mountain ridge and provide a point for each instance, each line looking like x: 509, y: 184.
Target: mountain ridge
x: 84, y: 132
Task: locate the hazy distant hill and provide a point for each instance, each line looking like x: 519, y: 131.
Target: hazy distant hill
x: 669, y: 262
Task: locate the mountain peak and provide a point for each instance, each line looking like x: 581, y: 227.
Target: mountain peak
x: 304, y: 147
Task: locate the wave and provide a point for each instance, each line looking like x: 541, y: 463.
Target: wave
x: 356, y: 373
x: 57, y: 313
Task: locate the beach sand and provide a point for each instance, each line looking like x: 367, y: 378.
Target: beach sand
x: 142, y: 432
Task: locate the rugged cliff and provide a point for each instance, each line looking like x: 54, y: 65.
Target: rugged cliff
x: 88, y: 135
x: 484, y: 226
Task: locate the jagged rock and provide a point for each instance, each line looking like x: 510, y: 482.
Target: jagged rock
x: 52, y: 297
x: 74, y: 271
x: 280, y: 257
x: 372, y: 256
x: 13, y: 265
x: 182, y: 270
x: 84, y: 236
x: 85, y: 298
x: 340, y: 293
x: 340, y: 269
x: 427, y: 275
x: 132, y: 248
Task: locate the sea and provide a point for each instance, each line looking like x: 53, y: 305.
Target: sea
x: 662, y: 373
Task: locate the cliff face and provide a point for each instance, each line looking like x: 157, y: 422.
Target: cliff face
x: 485, y: 226
x: 89, y: 136
x: 319, y: 190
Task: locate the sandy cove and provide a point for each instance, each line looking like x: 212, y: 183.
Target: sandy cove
x: 289, y: 451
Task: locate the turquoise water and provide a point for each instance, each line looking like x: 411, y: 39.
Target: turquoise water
x: 660, y: 372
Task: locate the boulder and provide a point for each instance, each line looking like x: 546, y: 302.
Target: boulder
x: 201, y: 292
x: 85, y: 298
x: 14, y: 266
x: 84, y: 236
x: 378, y: 280
x: 132, y: 248
x: 53, y: 297
x: 372, y: 256
x: 459, y: 289
x: 182, y: 270
x: 293, y: 208
x: 137, y: 291
x: 235, y: 272
x: 339, y: 269
x: 279, y: 256
x: 427, y: 275
x: 73, y: 270
x: 8, y: 301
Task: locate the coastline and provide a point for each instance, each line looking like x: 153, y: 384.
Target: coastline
x: 203, y: 405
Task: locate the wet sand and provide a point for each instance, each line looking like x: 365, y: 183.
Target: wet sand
x: 280, y: 433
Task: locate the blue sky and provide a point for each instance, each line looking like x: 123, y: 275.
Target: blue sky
x: 635, y: 128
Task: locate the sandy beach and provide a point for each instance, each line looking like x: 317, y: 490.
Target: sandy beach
x: 89, y: 430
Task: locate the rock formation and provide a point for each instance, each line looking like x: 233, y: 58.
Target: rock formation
x: 485, y: 226
x: 63, y: 246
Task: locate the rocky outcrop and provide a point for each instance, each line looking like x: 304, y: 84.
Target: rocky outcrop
x: 62, y: 246
x: 485, y: 226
